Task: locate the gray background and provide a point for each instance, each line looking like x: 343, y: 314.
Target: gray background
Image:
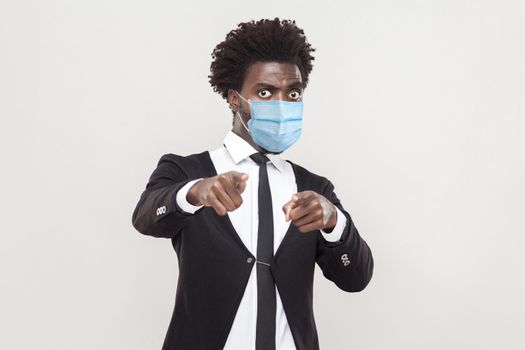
x: 415, y: 111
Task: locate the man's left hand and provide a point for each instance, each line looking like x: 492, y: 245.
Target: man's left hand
x: 310, y: 211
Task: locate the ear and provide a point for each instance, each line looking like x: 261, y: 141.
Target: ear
x: 233, y: 100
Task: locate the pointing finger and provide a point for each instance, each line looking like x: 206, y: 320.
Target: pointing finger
x: 231, y: 191
x: 237, y: 177
x: 239, y: 181
x: 241, y: 186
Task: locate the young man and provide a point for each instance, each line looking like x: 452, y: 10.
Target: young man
x: 247, y: 225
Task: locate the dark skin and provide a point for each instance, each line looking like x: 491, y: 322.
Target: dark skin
x: 308, y: 210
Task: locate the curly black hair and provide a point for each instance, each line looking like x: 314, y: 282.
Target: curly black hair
x: 262, y: 41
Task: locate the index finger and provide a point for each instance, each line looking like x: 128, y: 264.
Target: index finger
x: 237, y: 177
x: 232, y: 191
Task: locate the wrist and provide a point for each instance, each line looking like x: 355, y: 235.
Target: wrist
x: 332, y: 222
x: 191, y: 196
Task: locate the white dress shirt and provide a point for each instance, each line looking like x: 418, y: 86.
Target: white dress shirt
x: 236, y: 156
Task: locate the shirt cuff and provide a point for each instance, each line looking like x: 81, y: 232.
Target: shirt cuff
x: 337, y: 232
x: 182, y: 202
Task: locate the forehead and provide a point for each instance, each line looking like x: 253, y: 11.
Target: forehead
x: 272, y: 73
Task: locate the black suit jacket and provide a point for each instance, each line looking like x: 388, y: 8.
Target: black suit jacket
x: 214, y: 264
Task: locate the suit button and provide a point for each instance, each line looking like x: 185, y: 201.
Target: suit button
x: 345, y: 260
x: 249, y: 260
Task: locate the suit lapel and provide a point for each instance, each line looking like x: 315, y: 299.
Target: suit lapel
x: 225, y: 221
x: 292, y: 231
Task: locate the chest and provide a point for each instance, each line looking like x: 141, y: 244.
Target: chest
x: 245, y: 219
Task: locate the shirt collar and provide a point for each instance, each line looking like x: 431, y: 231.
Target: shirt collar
x: 240, y: 149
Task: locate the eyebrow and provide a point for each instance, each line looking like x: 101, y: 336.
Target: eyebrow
x: 297, y: 84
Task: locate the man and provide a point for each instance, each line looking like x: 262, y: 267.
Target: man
x: 247, y: 225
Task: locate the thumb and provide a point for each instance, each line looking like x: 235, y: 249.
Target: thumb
x: 288, y: 206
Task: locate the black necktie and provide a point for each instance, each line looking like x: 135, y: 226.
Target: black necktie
x: 266, y: 303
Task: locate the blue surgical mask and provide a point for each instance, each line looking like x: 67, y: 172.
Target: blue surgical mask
x: 275, y: 125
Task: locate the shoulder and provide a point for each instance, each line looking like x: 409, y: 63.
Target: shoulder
x: 192, y: 164
x: 310, y: 178
x: 178, y: 159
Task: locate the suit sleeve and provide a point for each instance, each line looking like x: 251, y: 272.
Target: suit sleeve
x: 347, y: 262
x: 157, y: 213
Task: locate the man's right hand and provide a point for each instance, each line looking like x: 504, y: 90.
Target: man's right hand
x: 221, y: 192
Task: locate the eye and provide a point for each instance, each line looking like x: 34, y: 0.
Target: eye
x: 265, y: 93
x: 295, y: 94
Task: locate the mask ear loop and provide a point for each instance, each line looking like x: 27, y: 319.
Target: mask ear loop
x: 237, y: 113
x: 242, y: 97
